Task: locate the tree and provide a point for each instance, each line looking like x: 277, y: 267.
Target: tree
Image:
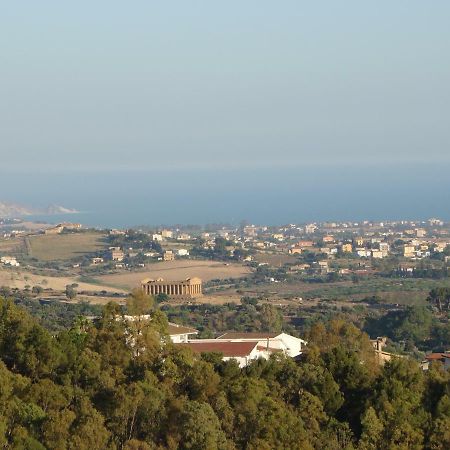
x: 271, y: 318
x: 199, y: 428
x: 37, y: 290
x: 440, y: 298
x: 139, y: 303
x: 71, y: 292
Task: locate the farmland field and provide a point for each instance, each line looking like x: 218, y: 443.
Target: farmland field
x: 12, y: 247
x: 176, y: 270
x: 65, y: 246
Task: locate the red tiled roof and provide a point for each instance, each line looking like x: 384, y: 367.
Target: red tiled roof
x: 229, y: 349
x: 433, y: 356
x: 248, y: 335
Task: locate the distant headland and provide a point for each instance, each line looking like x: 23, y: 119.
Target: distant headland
x: 8, y: 209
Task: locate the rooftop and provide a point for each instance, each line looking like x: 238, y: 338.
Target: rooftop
x: 228, y: 349
x: 175, y: 329
x: 234, y: 335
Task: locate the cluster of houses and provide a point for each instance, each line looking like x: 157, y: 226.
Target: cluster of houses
x: 247, y: 347
x: 241, y: 347
x: 9, y: 261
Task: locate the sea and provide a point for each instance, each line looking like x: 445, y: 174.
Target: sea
x: 268, y: 195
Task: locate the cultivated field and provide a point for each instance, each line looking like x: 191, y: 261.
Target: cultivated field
x: 177, y: 270
x: 65, y: 246
x: 12, y: 247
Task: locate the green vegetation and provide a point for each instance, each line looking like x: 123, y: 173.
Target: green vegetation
x: 113, y: 384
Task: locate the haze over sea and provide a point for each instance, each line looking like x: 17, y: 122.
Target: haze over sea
x: 265, y: 195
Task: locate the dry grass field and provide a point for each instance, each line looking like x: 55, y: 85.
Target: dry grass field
x: 65, y: 246
x: 177, y: 270
x: 275, y: 259
x: 18, y: 278
x: 12, y: 247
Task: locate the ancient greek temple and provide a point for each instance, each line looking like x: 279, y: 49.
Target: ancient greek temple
x: 189, y: 288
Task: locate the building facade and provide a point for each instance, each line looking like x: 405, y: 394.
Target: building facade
x: 189, y: 288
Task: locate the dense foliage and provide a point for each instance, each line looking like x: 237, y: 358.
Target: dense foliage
x: 113, y: 384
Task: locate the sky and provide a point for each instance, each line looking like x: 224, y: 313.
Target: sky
x: 205, y: 111
x: 112, y: 85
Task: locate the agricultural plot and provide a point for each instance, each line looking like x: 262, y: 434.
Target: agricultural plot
x: 65, y: 246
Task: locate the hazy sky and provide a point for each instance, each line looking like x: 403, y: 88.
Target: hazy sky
x: 113, y: 84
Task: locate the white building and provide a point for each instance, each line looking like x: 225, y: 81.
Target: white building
x: 179, y: 333
x: 9, y: 261
x: 242, y: 352
x: 270, y: 342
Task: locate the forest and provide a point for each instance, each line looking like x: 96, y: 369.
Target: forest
x: 109, y: 383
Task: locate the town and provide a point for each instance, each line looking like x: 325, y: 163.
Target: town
x: 367, y: 271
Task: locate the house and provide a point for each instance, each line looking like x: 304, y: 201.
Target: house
x: 384, y: 248
x: 295, y: 251
x: 299, y: 267
x: 323, y: 266
x: 363, y: 253
x: 182, y: 252
x: 310, y: 228
x: 95, y: 261
x: 9, y: 261
x: 382, y: 357
x: 242, y: 352
x: 168, y: 255
x: 168, y: 234
x: 444, y: 358
x: 116, y: 254
x: 58, y: 229
x: 179, y: 333
x: 420, y: 232
x: 346, y: 248
x: 271, y: 342
x: 377, y: 254
x: 305, y: 244
x: 409, y: 251
x: 359, y: 242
